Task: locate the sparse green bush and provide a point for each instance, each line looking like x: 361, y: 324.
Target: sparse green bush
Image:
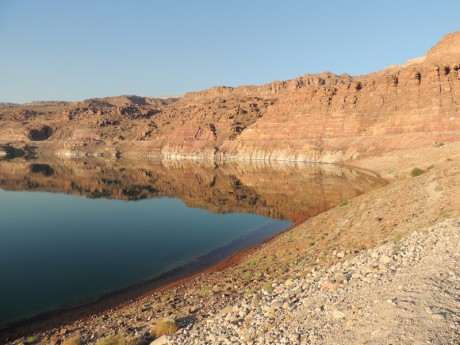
x: 116, y: 339
x: 246, y: 275
x: 397, y: 236
x: 445, y: 213
x: 164, y: 327
x: 416, y: 172
x: 207, y: 288
x: 268, y: 287
x: 31, y: 340
x: 343, y: 203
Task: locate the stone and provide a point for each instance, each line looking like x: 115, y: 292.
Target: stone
x: 225, y: 311
x: 276, y: 304
x: 340, y: 278
x: 289, y: 283
x: 160, y: 341
x: 337, y: 314
x: 385, y: 259
x: 439, y: 316
x: 286, y: 305
x: 297, y: 290
x: 330, y: 284
x: 279, y: 289
x: 356, y: 276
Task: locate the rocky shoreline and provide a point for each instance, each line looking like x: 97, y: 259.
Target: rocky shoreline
x: 380, y: 268
x: 370, y: 298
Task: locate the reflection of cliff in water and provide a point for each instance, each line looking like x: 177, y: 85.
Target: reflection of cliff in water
x: 277, y: 190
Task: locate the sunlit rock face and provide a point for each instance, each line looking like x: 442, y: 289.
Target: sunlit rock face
x: 323, y: 117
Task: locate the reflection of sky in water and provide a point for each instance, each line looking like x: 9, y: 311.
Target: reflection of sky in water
x: 58, y: 249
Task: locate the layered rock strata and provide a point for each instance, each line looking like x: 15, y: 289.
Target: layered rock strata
x: 323, y: 117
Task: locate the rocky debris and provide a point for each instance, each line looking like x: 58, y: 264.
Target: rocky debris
x: 404, y: 292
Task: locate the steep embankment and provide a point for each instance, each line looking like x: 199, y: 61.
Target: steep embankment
x: 322, y: 117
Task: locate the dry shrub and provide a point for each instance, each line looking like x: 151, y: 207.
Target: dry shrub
x: 75, y: 340
x: 116, y: 339
x: 416, y: 172
x: 164, y: 327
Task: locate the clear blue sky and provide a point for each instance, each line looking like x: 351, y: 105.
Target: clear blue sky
x: 72, y: 50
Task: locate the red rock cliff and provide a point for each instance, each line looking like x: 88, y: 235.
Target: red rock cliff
x: 322, y: 117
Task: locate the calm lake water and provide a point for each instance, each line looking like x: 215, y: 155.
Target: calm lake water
x: 72, y: 231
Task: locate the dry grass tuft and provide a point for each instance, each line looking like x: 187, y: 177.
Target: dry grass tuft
x: 116, y: 339
x: 75, y: 340
x: 164, y: 327
x: 416, y: 172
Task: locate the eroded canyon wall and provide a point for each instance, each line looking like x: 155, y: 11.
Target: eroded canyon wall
x: 323, y: 117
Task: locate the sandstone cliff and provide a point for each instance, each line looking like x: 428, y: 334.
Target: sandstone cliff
x: 323, y: 117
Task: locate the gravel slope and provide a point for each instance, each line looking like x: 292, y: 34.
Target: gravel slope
x: 403, y: 293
